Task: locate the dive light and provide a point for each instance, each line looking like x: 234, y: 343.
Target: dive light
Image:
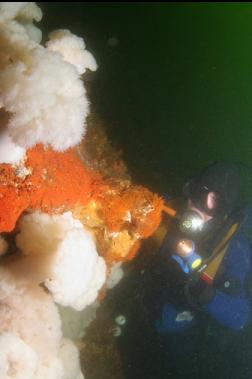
x: 189, y: 222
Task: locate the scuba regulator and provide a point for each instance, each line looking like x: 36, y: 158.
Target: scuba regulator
x: 190, y: 223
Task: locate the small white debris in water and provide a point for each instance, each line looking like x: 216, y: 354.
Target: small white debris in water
x: 227, y: 284
x: 185, y: 316
x: 117, y: 331
x: 120, y: 320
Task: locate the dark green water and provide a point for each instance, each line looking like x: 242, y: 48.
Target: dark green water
x: 176, y: 93
x: 177, y: 89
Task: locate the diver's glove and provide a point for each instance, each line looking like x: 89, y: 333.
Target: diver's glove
x: 198, y: 292
x: 187, y: 257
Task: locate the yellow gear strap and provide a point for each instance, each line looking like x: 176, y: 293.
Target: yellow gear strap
x: 214, y: 264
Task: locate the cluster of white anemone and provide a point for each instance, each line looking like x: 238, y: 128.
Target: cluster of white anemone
x: 42, y: 100
x: 42, y: 96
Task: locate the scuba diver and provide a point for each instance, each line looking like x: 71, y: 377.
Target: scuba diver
x: 201, y: 273
x: 188, y: 308
x: 209, y: 245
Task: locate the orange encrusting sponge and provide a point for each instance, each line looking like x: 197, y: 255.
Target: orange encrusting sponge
x: 56, y: 182
x: 118, y: 213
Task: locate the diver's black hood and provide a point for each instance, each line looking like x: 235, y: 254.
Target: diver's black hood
x: 222, y: 178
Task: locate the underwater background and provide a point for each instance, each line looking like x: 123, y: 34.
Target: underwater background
x: 174, y: 83
x: 174, y: 87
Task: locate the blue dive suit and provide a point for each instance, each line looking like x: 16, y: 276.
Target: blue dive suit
x: 226, y: 300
